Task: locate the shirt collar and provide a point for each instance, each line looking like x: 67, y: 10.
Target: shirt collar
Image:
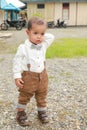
x: 28, y: 43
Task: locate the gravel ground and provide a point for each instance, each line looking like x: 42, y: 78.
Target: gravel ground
x: 67, y: 96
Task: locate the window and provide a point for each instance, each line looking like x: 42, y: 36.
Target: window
x: 65, y: 5
x: 40, y: 6
x: 65, y: 11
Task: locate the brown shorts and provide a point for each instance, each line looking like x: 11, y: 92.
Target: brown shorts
x: 34, y: 84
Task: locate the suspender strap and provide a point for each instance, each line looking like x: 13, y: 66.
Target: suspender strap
x: 28, y: 66
x: 44, y: 64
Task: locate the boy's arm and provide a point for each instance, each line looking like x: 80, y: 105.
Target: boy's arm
x: 17, y: 61
x: 48, y: 38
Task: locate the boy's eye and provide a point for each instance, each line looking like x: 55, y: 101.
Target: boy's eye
x: 35, y: 33
x: 42, y: 33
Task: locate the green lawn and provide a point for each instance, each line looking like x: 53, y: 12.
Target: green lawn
x: 68, y: 47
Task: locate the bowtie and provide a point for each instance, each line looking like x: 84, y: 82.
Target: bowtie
x: 37, y: 47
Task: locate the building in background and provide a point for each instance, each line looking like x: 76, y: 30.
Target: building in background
x: 9, y: 9
x: 72, y: 11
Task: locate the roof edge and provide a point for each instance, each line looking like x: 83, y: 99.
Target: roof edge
x: 31, y: 1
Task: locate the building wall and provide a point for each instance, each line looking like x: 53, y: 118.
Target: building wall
x: 72, y: 14
x: 58, y: 11
x: 47, y: 12
x: 82, y: 14
x: 54, y: 11
x: 1, y: 16
x: 77, y: 14
x: 30, y: 10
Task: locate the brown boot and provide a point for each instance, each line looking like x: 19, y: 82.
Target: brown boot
x: 43, y: 117
x: 22, y: 118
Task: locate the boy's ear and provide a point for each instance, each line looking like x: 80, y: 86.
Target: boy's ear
x: 27, y: 31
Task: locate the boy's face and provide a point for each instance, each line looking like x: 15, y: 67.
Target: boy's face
x: 36, y: 33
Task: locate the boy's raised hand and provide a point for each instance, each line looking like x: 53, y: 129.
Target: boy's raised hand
x: 19, y: 83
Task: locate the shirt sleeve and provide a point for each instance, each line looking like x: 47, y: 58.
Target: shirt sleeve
x: 17, y: 61
x: 48, y: 38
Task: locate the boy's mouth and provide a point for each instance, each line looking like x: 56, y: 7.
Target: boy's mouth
x: 38, y: 41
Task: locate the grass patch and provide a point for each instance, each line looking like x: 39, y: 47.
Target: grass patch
x: 68, y: 48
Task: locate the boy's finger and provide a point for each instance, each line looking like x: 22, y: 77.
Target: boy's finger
x: 21, y: 84
x: 21, y: 81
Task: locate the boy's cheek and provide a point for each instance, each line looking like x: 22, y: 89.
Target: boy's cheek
x: 43, y: 38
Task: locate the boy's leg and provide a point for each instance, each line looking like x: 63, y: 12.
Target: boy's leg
x: 21, y: 114
x: 24, y: 97
x: 40, y: 96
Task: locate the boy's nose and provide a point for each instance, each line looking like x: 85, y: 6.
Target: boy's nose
x: 39, y: 36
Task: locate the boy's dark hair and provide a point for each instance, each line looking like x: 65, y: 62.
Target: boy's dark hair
x: 35, y: 20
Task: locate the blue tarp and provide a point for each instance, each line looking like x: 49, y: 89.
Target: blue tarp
x: 9, y: 7
x: 3, y: 3
x: 6, y: 6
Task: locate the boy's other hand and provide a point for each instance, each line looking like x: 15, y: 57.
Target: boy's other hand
x: 19, y: 83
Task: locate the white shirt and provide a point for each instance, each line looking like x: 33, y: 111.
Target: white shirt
x: 26, y: 55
